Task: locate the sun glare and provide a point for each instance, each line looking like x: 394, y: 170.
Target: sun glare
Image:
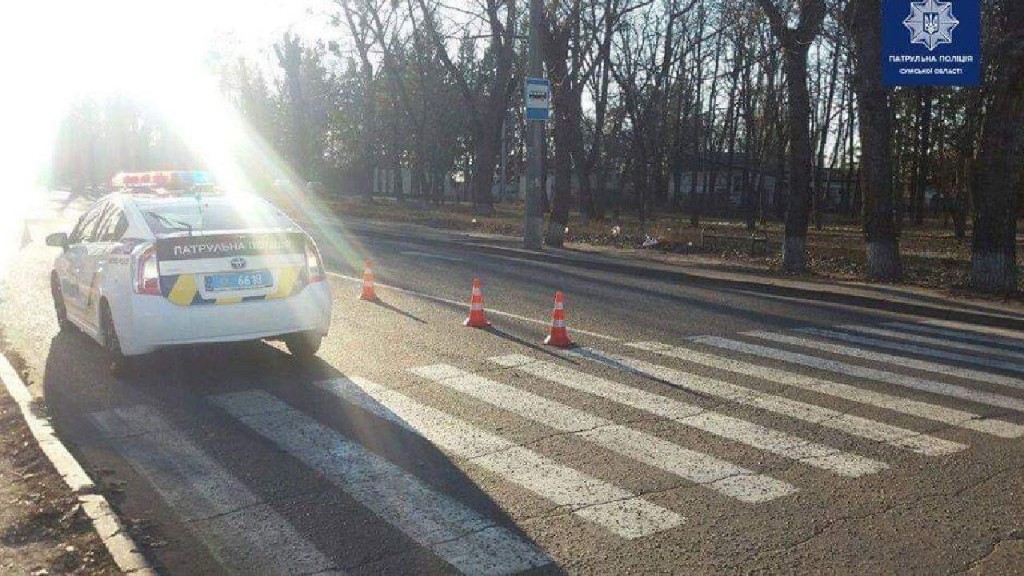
x: 64, y: 52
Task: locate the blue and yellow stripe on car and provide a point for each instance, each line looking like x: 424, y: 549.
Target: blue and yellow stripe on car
x: 183, y: 289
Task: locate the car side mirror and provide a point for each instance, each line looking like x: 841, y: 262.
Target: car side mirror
x: 58, y: 240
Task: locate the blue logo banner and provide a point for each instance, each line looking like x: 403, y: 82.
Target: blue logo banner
x: 931, y: 42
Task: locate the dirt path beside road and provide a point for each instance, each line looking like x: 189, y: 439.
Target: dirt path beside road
x: 43, y: 529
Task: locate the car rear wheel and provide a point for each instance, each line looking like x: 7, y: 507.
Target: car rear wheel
x: 119, y: 363
x: 304, y: 345
x: 63, y: 324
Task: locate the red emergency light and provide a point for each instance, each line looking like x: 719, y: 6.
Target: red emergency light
x: 161, y: 178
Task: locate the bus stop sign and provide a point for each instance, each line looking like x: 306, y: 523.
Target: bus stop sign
x: 538, y: 99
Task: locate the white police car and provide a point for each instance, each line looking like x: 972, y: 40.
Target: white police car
x: 147, y: 268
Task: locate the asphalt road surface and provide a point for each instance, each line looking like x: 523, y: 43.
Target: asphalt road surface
x: 699, y: 427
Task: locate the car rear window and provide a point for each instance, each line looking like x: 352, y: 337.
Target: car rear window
x: 218, y: 214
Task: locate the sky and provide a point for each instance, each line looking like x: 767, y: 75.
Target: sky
x: 54, y: 52
x: 107, y: 43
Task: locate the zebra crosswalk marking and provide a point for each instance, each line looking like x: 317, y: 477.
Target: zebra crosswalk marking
x: 925, y: 365
x: 961, y: 334
x: 907, y: 406
x: 614, y: 509
x: 691, y: 465
x: 735, y: 429
x: 531, y: 406
x: 462, y: 537
x: 847, y: 423
x: 901, y: 361
x: 244, y: 534
x: 913, y: 382
x: 897, y: 335
x: 1015, y: 336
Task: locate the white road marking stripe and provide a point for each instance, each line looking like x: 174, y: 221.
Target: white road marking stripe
x: 846, y: 423
x: 614, y: 509
x: 1014, y: 335
x: 438, y: 427
x: 462, y: 537
x: 913, y: 382
x: 923, y: 351
x: 961, y: 334
x: 901, y: 361
x: 917, y: 408
x: 528, y: 405
x: 244, y: 534
x: 741, y: 431
x: 919, y: 338
x: 493, y: 311
x: 827, y: 417
x: 696, y: 467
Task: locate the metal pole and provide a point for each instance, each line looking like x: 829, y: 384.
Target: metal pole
x: 533, y: 223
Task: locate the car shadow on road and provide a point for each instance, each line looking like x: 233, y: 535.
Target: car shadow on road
x: 179, y: 385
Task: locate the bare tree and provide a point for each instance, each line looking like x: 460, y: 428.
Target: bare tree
x: 997, y: 175
x: 289, y: 54
x: 795, y: 45
x: 486, y: 109
x: 356, y: 18
x: 876, y: 133
x: 555, y: 34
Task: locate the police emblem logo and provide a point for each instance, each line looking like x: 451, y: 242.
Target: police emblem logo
x: 931, y: 23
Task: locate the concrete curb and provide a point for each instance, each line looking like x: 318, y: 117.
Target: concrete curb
x: 108, y: 526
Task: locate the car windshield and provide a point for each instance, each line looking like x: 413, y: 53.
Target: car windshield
x: 192, y: 215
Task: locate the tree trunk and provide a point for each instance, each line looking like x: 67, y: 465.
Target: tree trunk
x: 795, y: 45
x: 880, y: 231
x: 923, y: 156
x: 485, y: 158
x: 801, y: 160
x: 562, y: 188
x: 957, y: 205
x: 821, y: 191
x: 996, y: 178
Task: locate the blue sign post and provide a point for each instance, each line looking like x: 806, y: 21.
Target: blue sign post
x: 931, y: 42
x: 538, y: 99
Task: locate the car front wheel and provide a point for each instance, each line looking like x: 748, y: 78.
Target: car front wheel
x: 63, y: 324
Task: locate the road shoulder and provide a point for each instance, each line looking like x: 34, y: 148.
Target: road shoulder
x: 50, y: 522
x: 702, y: 271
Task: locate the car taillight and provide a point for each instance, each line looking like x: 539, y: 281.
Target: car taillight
x: 314, y: 265
x: 147, y: 276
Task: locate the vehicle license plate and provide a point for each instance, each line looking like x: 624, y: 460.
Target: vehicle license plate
x: 242, y: 281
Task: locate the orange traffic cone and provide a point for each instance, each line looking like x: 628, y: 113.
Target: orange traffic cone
x: 368, y: 292
x: 476, y: 319
x: 559, y: 336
